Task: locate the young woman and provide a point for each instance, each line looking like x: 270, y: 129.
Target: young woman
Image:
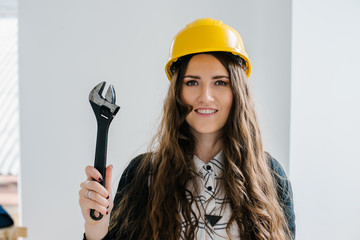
x: 207, y: 175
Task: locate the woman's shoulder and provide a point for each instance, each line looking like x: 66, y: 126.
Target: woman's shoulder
x: 275, y: 166
x: 283, y: 185
x: 135, y: 162
x: 284, y: 191
x: 131, y: 170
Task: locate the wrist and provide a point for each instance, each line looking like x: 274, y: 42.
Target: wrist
x: 95, y: 231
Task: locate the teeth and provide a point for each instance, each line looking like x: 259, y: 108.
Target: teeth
x: 206, y: 111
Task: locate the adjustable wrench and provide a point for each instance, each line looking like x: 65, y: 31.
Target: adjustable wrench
x: 105, y: 110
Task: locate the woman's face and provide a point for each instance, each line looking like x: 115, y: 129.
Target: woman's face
x: 206, y: 87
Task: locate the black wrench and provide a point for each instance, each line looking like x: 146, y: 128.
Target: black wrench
x: 105, y: 110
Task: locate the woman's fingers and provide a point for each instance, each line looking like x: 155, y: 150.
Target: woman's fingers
x: 90, y: 204
x: 95, y: 196
x: 96, y: 187
x: 89, y: 199
x: 93, y: 174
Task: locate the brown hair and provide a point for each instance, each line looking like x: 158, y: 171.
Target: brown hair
x: 165, y: 172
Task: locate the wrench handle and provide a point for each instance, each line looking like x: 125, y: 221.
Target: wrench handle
x: 101, y: 148
x: 100, y: 154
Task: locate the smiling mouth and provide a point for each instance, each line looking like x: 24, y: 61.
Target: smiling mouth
x: 206, y: 111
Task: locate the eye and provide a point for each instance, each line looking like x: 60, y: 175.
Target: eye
x: 221, y: 83
x: 191, y: 83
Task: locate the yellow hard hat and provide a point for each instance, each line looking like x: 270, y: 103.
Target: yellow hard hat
x: 206, y: 35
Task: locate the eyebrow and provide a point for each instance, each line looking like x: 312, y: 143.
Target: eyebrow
x: 221, y: 76
x: 192, y: 76
x: 197, y: 77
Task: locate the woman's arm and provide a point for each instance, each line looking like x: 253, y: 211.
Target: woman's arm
x: 284, y: 192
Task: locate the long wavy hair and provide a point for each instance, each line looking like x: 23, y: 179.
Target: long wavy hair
x: 165, y: 171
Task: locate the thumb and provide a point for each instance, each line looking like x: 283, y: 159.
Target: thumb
x: 108, y: 174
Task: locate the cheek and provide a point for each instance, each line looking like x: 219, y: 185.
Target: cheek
x: 182, y: 95
x: 229, y: 100
x: 185, y: 97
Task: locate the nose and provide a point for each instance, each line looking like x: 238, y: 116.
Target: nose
x: 205, y: 94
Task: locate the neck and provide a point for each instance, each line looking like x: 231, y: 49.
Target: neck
x: 207, y: 146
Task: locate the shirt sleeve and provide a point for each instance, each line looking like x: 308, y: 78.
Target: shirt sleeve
x: 284, y: 192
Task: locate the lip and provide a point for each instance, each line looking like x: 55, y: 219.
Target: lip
x: 206, y: 114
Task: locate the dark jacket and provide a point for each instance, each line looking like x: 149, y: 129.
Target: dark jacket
x: 283, y: 189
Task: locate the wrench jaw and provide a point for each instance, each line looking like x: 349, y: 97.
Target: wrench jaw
x: 105, y: 108
x: 110, y: 95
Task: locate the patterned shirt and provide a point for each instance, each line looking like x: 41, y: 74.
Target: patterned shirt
x: 211, y: 177
x: 215, y: 209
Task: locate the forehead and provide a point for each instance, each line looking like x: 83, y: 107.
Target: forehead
x: 205, y: 64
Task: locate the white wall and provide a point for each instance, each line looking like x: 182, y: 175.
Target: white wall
x: 325, y: 116
x: 67, y: 47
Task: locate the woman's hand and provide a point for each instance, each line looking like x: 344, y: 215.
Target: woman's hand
x: 93, y: 195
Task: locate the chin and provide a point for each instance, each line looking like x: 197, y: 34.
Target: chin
x: 203, y: 130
